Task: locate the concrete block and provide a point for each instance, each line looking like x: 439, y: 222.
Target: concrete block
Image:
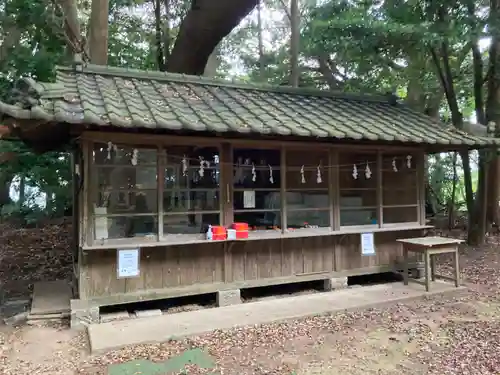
x: 335, y: 283
x: 111, y: 317
x: 83, y: 314
x: 148, y: 313
x: 228, y: 297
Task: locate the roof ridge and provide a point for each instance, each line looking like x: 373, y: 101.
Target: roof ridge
x: 217, y: 82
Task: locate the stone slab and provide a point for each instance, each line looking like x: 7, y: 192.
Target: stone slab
x: 114, y: 335
x: 228, y: 297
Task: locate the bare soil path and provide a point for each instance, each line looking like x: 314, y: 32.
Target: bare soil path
x: 455, y: 335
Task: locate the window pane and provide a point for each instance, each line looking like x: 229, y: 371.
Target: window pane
x: 257, y: 160
x: 404, y: 179
x: 126, y: 178
x: 347, y: 181
x: 358, y: 217
x: 307, y: 199
x: 395, y: 197
x: 400, y: 161
x: 126, y: 202
x: 307, y: 218
x: 189, y: 223
x: 110, y: 154
x: 306, y: 157
x: 262, y: 199
x: 191, y: 166
x: 395, y: 215
x: 347, y: 159
x: 175, y: 201
x: 124, y: 227
x: 294, y: 178
x: 358, y: 198
x: 175, y: 178
x: 259, y: 220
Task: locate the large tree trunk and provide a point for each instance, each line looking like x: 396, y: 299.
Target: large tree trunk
x: 213, y: 63
x: 261, y: 42
x: 206, y: 24
x: 98, y: 32
x: 492, y: 114
x: 72, y: 29
x: 294, y: 43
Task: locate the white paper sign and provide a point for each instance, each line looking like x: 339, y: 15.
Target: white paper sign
x: 248, y: 199
x: 367, y: 244
x: 128, y: 263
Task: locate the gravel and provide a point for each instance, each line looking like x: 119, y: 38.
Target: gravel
x: 438, y: 335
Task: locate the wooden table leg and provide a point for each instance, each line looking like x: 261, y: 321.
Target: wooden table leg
x: 457, y: 269
x: 405, y: 265
x: 433, y: 267
x: 427, y: 271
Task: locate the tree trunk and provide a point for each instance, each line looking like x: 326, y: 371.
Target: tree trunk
x: 98, y: 32
x: 213, y: 63
x: 22, y: 191
x: 203, y: 28
x: 261, y: 42
x: 71, y: 27
x: 167, y: 37
x: 160, y: 55
x: 5, y: 183
x: 294, y: 43
x: 492, y: 114
x: 451, y: 206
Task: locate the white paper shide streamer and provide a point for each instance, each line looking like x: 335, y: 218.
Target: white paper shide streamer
x: 302, y: 177
x: 354, y: 172
x: 135, y: 156
x: 184, y: 166
x: 254, y: 174
x: 271, y: 179
x: 110, y: 147
x: 368, y: 171
x: 394, y: 166
x: 319, y: 180
x: 408, y: 161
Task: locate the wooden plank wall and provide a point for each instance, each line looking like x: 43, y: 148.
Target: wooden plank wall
x: 236, y: 262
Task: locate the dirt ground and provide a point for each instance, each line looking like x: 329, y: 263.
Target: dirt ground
x: 459, y: 334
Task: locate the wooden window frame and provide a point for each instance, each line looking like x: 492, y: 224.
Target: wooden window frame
x: 226, y: 186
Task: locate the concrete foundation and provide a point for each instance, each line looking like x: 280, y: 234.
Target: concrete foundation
x: 335, y: 284
x: 82, y: 314
x: 228, y: 297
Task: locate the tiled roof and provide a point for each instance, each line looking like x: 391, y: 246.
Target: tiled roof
x: 106, y: 96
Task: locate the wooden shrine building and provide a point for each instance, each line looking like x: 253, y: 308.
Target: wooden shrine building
x: 158, y: 158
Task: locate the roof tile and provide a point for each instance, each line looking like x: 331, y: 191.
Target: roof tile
x: 128, y: 98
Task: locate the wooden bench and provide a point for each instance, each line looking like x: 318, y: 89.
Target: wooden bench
x: 429, y: 247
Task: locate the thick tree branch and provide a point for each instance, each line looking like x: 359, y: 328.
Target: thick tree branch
x: 205, y: 25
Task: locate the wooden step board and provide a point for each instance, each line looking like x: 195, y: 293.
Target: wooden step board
x: 51, y: 298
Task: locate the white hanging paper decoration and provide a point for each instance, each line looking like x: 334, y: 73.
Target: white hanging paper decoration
x: 254, y: 174
x: 354, y: 172
x: 302, y: 177
x: 135, y: 155
x: 77, y: 169
x: 319, y: 180
x: 184, y: 166
x: 408, y: 161
x: 368, y: 171
x: 110, y: 147
x: 271, y: 179
x: 201, y: 171
x: 394, y: 166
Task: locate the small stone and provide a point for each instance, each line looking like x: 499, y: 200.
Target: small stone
x: 148, y: 313
x: 121, y: 315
